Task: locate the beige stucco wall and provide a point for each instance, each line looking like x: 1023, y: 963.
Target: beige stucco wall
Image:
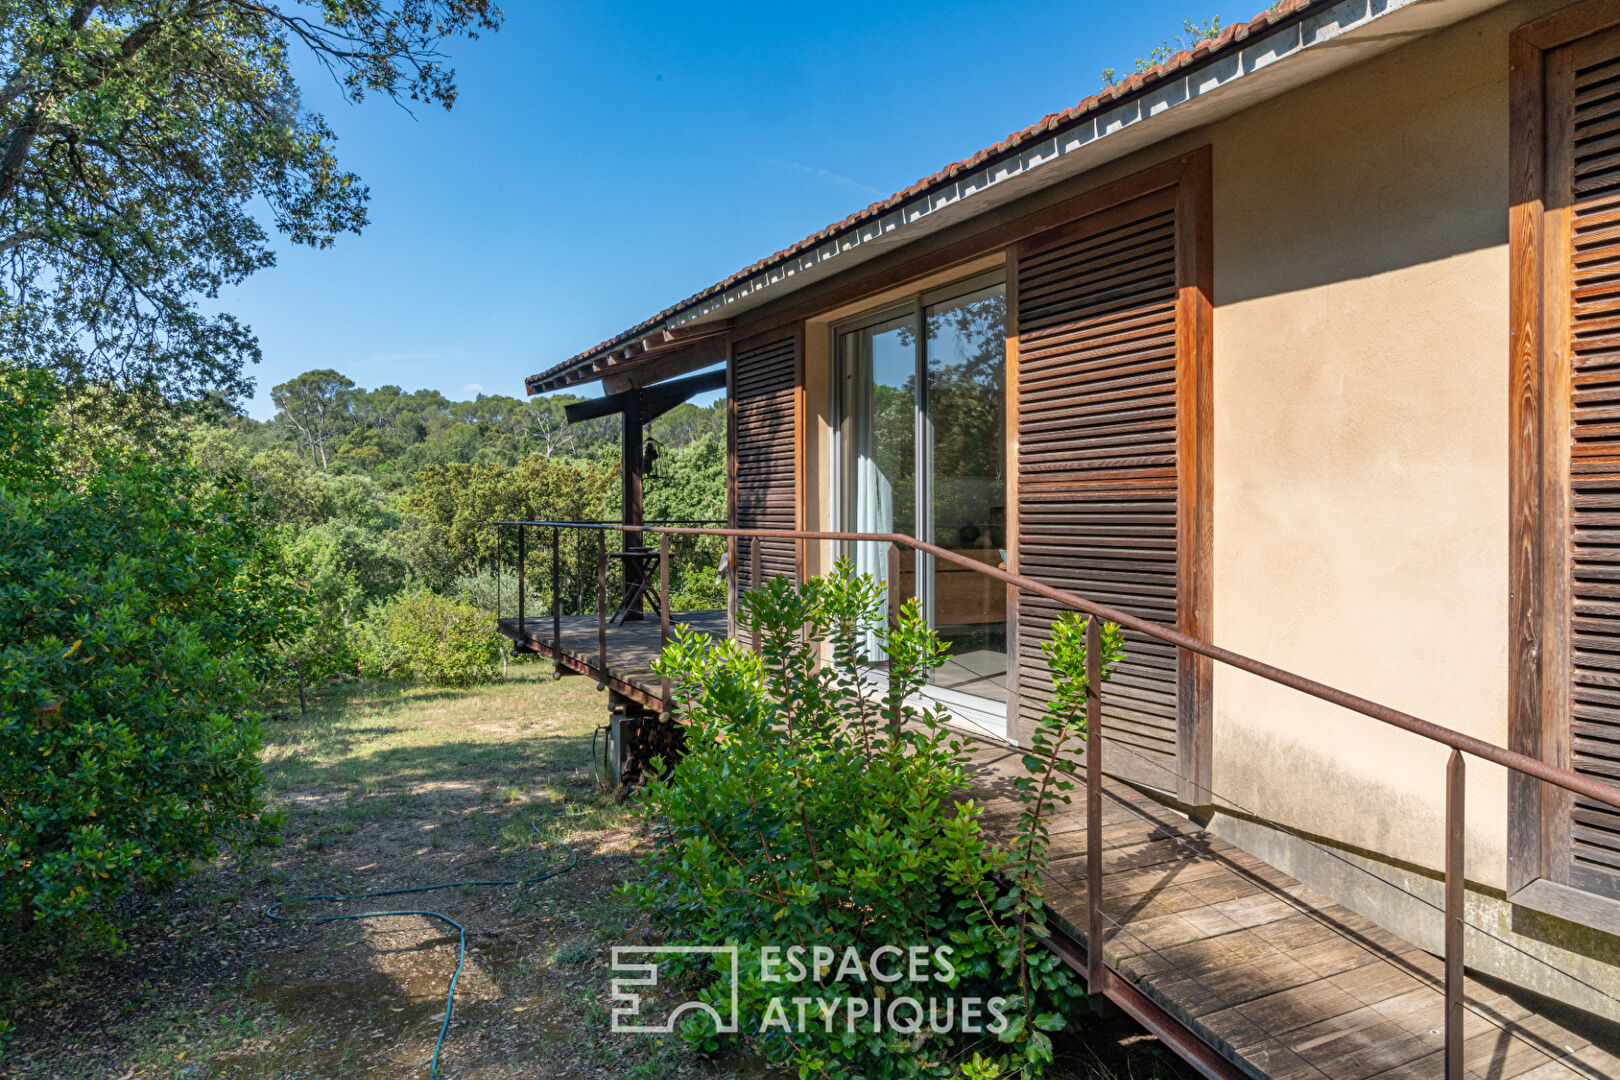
x: 1360, y: 460
x: 1360, y: 446
x: 1361, y: 455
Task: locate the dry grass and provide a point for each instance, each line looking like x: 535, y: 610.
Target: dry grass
x: 386, y: 787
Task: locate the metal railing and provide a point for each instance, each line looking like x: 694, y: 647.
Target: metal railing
x: 664, y: 526
x: 1098, y: 975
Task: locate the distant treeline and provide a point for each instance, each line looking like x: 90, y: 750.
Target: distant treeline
x: 371, y: 497
x: 390, y: 434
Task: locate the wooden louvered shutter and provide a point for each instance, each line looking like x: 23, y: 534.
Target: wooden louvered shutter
x: 765, y: 382
x: 1106, y: 401
x: 1583, y: 177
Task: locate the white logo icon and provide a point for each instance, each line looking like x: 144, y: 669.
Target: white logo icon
x: 646, y: 974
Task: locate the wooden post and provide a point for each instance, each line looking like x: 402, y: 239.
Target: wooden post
x: 663, y: 618
x: 520, y: 581
x: 601, y: 609
x: 733, y: 609
x: 633, y: 462
x: 1454, y: 916
x: 1096, y: 973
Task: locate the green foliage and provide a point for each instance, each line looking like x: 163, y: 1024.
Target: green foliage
x: 448, y: 511
x: 341, y: 569
x: 374, y: 490
x: 429, y: 638
x: 140, y: 135
x: 814, y: 806
x: 1192, y: 33
x: 390, y: 435
x: 1062, y: 724
x: 141, y: 619
x: 316, y: 405
x: 691, y: 486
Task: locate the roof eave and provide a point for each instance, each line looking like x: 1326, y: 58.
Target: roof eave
x: 1244, y: 65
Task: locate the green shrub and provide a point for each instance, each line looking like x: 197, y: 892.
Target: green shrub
x: 816, y: 807
x: 141, y: 617
x: 430, y: 638
x: 340, y: 568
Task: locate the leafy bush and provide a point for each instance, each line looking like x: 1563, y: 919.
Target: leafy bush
x: 140, y: 619
x: 448, y: 509
x: 341, y: 569
x: 817, y: 807
x: 431, y: 638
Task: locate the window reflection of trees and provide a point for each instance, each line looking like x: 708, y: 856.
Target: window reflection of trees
x: 966, y: 377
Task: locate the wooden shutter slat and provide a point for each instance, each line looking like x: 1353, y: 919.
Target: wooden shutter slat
x: 765, y: 392
x: 1590, y: 132
x: 1098, y: 468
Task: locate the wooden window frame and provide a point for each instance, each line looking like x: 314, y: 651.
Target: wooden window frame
x: 1538, y: 485
x: 1189, y: 174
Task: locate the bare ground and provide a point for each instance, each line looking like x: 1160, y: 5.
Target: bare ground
x: 385, y: 788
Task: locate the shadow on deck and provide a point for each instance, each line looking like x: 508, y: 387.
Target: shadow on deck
x: 1223, y: 955
x: 1276, y: 978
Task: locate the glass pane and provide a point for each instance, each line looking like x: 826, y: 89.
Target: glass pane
x: 880, y: 408
x: 966, y: 405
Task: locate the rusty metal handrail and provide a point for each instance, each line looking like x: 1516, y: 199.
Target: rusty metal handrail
x: 1468, y: 744
x: 1099, y: 979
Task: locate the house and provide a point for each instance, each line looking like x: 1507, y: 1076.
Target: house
x: 1305, y: 342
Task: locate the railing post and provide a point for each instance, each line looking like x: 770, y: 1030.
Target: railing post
x: 601, y: 607
x: 1454, y: 916
x: 1096, y: 972
x: 894, y: 585
x: 733, y: 609
x: 753, y: 579
x: 520, y: 582
x: 556, y: 602
x: 663, y: 616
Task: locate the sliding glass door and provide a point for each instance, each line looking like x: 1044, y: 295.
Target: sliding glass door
x: 923, y: 400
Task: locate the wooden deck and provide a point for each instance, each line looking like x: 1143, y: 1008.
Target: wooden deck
x: 1277, y: 980
x: 1281, y: 981
x: 631, y: 648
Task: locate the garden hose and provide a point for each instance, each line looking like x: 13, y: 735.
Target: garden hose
x: 461, y: 952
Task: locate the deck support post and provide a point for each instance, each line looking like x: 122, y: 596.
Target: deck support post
x: 1454, y: 916
x: 601, y: 607
x: 1096, y: 971
x: 521, y: 627
x: 556, y: 602
x: 663, y: 620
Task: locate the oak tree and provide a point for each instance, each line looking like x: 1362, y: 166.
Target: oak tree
x: 136, y: 139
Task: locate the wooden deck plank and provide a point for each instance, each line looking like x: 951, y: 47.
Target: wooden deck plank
x: 632, y: 646
x: 1287, y: 983
x: 1284, y: 982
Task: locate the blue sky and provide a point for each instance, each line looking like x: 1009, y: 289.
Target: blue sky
x: 606, y: 160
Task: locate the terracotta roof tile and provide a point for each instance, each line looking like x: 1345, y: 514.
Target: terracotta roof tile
x: 1138, y: 82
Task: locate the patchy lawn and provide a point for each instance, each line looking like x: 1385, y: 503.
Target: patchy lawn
x: 384, y: 788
